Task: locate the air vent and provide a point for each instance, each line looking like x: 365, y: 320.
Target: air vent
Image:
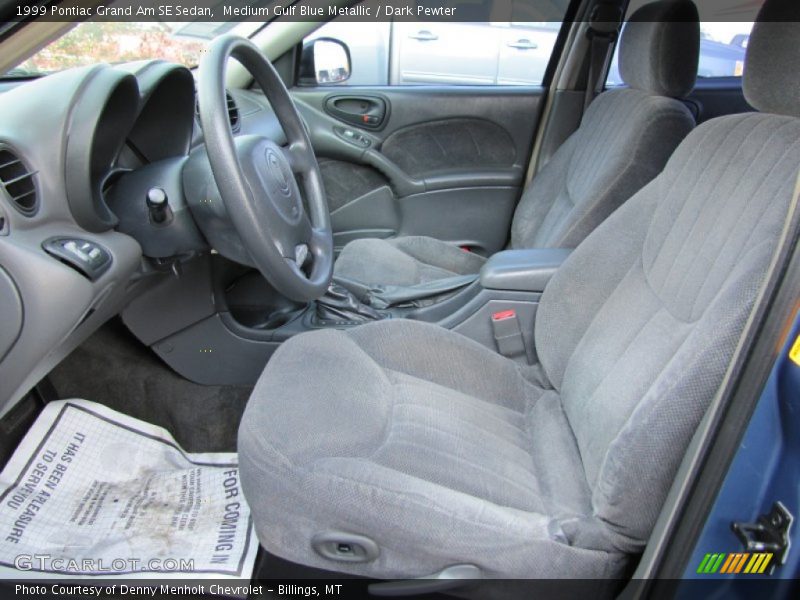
x: 18, y: 181
x: 233, y: 112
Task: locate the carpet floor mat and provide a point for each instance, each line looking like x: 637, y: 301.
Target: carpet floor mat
x: 116, y: 370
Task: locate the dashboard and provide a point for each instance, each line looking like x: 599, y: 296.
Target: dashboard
x: 80, y: 151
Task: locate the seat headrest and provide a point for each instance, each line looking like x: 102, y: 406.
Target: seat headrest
x: 772, y: 63
x: 660, y: 47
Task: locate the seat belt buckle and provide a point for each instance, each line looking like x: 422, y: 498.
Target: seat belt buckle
x: 507, y: 333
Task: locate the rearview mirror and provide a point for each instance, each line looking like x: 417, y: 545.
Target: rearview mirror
x: 324, y: 61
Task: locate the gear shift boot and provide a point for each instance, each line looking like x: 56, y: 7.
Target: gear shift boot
x: 340, y: 307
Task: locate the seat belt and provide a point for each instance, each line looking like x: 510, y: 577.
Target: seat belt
x: 602, y: 33
x: 386, y: 296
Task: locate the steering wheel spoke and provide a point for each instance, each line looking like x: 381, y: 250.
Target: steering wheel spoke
x: 295, y: 242
x: 297, y: 157
x: 308, y: 251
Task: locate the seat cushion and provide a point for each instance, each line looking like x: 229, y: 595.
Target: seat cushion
x: 463, y: 460
x: 404, y: 261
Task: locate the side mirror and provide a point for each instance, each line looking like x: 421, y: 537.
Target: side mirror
x: 324, y: 61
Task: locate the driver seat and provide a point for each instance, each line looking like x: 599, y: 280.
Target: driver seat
x: 398, y: 449
x: 624, y: 140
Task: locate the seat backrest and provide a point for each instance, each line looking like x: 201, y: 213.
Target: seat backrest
x: 626, y: 135
x: 637, y: 329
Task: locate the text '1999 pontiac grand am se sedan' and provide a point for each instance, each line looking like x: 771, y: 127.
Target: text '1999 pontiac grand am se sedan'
x: 419, y: 298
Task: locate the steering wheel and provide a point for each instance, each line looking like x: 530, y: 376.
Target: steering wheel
x: 257, y: 179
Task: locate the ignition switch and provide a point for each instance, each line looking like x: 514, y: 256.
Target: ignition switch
x: 158, y: 206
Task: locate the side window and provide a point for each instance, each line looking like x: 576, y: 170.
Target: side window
x: 722, y: 50
x: 501, y: 44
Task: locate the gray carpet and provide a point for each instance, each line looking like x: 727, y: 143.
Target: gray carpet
x: 115, y: 369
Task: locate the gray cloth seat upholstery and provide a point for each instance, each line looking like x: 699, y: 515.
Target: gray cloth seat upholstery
x: 443, y: 452
x: 624, y: 140
x: 405, y: 261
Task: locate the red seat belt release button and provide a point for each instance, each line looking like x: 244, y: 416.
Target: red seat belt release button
x: 504, y: 314
x: 507, y: 333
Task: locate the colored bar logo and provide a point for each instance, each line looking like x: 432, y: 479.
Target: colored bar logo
x: 735, y: 563
x: 794, y: 352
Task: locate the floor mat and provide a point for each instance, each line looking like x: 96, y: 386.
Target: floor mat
x: 115, y: 369
x: 100, y: 493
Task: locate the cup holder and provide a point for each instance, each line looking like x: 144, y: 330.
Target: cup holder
x: 253, y: 303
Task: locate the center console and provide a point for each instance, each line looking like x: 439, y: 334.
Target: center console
x: 218, y: 323
x: 502, y: 311
x: 522, y: 270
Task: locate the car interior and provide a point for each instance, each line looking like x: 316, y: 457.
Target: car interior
x: 452, y: 332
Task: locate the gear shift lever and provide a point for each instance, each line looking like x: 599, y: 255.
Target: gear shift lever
x: 339, y: 305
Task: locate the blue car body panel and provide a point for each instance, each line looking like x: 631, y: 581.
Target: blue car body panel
x: 766, y: 469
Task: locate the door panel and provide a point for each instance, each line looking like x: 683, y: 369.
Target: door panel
x: 461, y: 213
x: 445, y: 161
x: 373, y: 214
x: 455, y: 143
x: 346, y: 181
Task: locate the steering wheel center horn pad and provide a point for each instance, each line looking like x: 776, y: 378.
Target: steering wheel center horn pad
x: 270, y: 178
x: 277, y: 169
x: 243, y: 190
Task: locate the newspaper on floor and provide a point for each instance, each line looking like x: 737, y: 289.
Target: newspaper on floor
x: 94, y: 493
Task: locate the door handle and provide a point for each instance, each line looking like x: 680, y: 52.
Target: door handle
x: 365, y: 111
x: 523, y: 44
x: 424, y: 36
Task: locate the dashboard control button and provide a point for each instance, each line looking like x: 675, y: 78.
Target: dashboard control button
x: 89, y: 258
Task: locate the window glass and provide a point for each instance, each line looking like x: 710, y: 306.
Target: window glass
x: 91, y: 42
x: 506, y: 42
x: 722, y: 50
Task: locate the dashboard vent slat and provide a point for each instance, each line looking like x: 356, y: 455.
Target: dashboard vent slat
x: 19, y: 182
x: 233, y: 112
x: 16, y: 179
x: 15, y: 161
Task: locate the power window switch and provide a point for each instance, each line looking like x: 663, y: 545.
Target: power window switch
x: 77, y: 251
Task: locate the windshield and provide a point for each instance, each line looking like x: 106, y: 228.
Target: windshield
x: 97, y: 42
